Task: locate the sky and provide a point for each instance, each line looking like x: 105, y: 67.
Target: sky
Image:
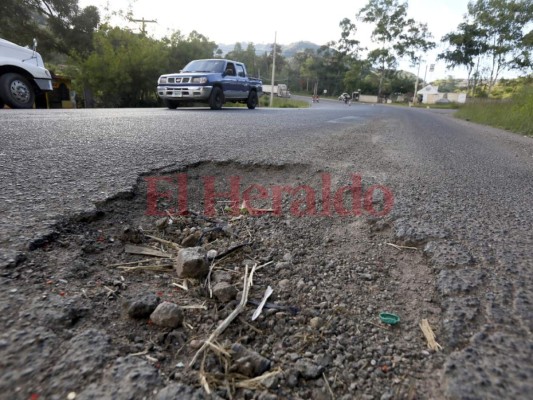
x: 228, y: 22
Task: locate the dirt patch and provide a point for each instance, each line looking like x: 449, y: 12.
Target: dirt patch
x: 78, y: 310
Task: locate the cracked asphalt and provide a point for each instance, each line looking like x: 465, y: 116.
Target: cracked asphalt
x: 462, y: 194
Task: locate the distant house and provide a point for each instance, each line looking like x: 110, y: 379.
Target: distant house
x: 431, y: 95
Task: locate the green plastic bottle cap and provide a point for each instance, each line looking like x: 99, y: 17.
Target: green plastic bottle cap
x: 388, y: 318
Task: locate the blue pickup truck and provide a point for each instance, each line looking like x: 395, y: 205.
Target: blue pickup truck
x: 213, y: 81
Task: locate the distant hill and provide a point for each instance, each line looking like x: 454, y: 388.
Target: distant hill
x: 288, y: 50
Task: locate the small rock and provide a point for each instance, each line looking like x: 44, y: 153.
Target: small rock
x: 387, y: 396
x: 161, y: 223
x: 211, y: 254
x: 167, y: 314
x: 131, y: 235
x: 190, y: 263
x: 224, y: 292
x: 309, y: 370
x: 324, y: 360
x: 287, y: 257
x: 367, y: 277
x: 248, y: 362
x: 192, y: 239
x: 220, y: 276
x: 284, y: 283
x: 316, y: 323
x: 291, y: 377
x: 141, y: 306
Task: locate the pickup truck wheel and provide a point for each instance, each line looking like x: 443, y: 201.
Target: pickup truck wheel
x: 16, y: 91
x: 252, y: 100
x: 217, y: 98
x: 171, y: 104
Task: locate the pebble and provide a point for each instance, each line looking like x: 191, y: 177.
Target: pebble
x: 168, y: 315
x: 284, y: 283
x: 190, y: 263
x: 224, y: 292
x: 192, y: 239
x: 316, y: 323
x: 308, y: 369
x: 141, y: 306
x: 248, y: 362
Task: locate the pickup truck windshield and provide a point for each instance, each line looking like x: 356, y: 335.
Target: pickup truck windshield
x: 204, y: 66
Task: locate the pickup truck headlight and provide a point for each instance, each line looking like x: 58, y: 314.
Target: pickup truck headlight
x: 163, y: 79
x: 200, y: 80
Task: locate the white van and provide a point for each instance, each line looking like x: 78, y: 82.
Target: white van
x: 22, y: 75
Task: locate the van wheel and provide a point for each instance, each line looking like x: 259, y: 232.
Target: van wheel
x: 16, y: 91
x: 171, y: 104
x: 216, y: 101
x: 252, y: 100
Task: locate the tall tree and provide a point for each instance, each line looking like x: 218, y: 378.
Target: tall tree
x: 464, y: 48
x: 58, y: 25
x: 396, y: 35
x: 186, y: 48
x: 123, y: 69
x: 502, y: 23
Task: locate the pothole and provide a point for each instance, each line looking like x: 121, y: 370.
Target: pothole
x: 326, y: 260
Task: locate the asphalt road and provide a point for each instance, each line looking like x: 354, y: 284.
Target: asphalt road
x: 466, y: 185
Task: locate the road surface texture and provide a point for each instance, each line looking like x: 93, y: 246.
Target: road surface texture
x: 369, y: 209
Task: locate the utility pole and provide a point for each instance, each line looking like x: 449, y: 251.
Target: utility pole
x: 415, y: 95
x: 143, y: 23
x: 273, y: 69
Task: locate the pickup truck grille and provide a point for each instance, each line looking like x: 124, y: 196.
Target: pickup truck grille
x: 178, y: 80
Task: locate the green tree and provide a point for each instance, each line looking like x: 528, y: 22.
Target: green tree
x: 58, y: 25
x: 465, y: 45
x: 396, y: 35
x: 123, y: 69
x: 183, y: 49
x: 502, y: 23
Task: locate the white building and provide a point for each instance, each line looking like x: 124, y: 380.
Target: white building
x: 430, y: 95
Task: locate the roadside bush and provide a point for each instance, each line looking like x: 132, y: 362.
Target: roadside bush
x: 513, y: 114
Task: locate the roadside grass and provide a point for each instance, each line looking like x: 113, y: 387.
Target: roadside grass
x: 446, y: 106
x: 278, y: 102
x: 515, y: 114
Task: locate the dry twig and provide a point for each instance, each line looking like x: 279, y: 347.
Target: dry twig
x: 430, y: 336
x: 328, y: 386
x: 163, y: 241
x: 254, y: 383
x: 397, y: 247
x: 153, y: 268
x: 246, y: 288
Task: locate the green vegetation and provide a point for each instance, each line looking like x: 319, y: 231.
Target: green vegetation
x: 277, y: 102
x: 118, y: 67
x: 513, y: 114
